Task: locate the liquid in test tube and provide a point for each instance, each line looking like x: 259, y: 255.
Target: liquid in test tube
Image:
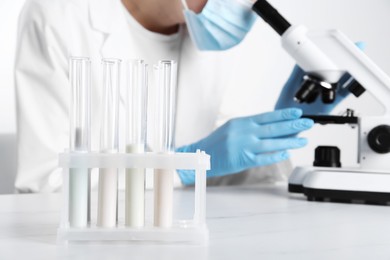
x: 79, y: 178
x: 108, y: 177
x: 165, y: 87
x: 136, y: 117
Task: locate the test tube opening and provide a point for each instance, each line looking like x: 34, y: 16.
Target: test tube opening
x: 80, y: 114
x: 166, y: 77
x: 110, y: 103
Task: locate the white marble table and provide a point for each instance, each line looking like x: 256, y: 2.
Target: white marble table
x: 255, y: 222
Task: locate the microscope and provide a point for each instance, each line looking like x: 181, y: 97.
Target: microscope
x: 325, y: 57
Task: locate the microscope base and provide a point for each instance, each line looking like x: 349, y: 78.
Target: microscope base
x: 340, y: 185
x: 343, y: 196
x: 295, y: 188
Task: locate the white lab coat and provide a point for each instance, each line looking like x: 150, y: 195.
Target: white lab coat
x: 52, y: 30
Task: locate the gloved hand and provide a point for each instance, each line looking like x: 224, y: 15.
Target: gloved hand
x: 286, y: 97
x: 247, y: 142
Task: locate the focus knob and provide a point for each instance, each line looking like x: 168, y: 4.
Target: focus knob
x: 379, y: 139
x: 327, y: 156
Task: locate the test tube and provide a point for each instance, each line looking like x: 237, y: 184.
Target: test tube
x: 165, y: 73
x: 79, y: 178
x: 136, y: 111
x: 108, y: 177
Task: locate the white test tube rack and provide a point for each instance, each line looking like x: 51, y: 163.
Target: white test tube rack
x: 192, y: 231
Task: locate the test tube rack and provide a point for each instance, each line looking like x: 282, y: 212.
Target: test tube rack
x: 193, y: 230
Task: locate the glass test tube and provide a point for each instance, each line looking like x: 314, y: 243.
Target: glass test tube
x: 166, y: 75
x: 108, y: 177
x: 136, y: 115
x: 79, y: 178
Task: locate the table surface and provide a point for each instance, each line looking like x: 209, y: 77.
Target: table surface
x: 250, y: 222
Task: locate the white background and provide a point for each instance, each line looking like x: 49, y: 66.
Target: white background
x: 262, y: 68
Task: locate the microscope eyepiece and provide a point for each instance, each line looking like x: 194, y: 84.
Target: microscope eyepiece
x: 271, y: 16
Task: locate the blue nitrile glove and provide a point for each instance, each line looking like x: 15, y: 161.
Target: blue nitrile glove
x: 252, y: 141
x: 286, y: 97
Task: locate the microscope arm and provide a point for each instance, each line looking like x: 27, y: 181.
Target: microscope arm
x: 349, y: 58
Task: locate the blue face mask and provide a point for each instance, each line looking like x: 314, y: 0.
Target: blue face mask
x: 221, y: 25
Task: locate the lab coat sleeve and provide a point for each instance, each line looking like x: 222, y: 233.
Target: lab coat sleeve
x: 42, y: 91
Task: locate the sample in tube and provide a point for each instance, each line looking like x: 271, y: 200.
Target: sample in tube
x: 165, y: 76
x: 136, y: 115
x: 79, y: 178
x: 108, y: 177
